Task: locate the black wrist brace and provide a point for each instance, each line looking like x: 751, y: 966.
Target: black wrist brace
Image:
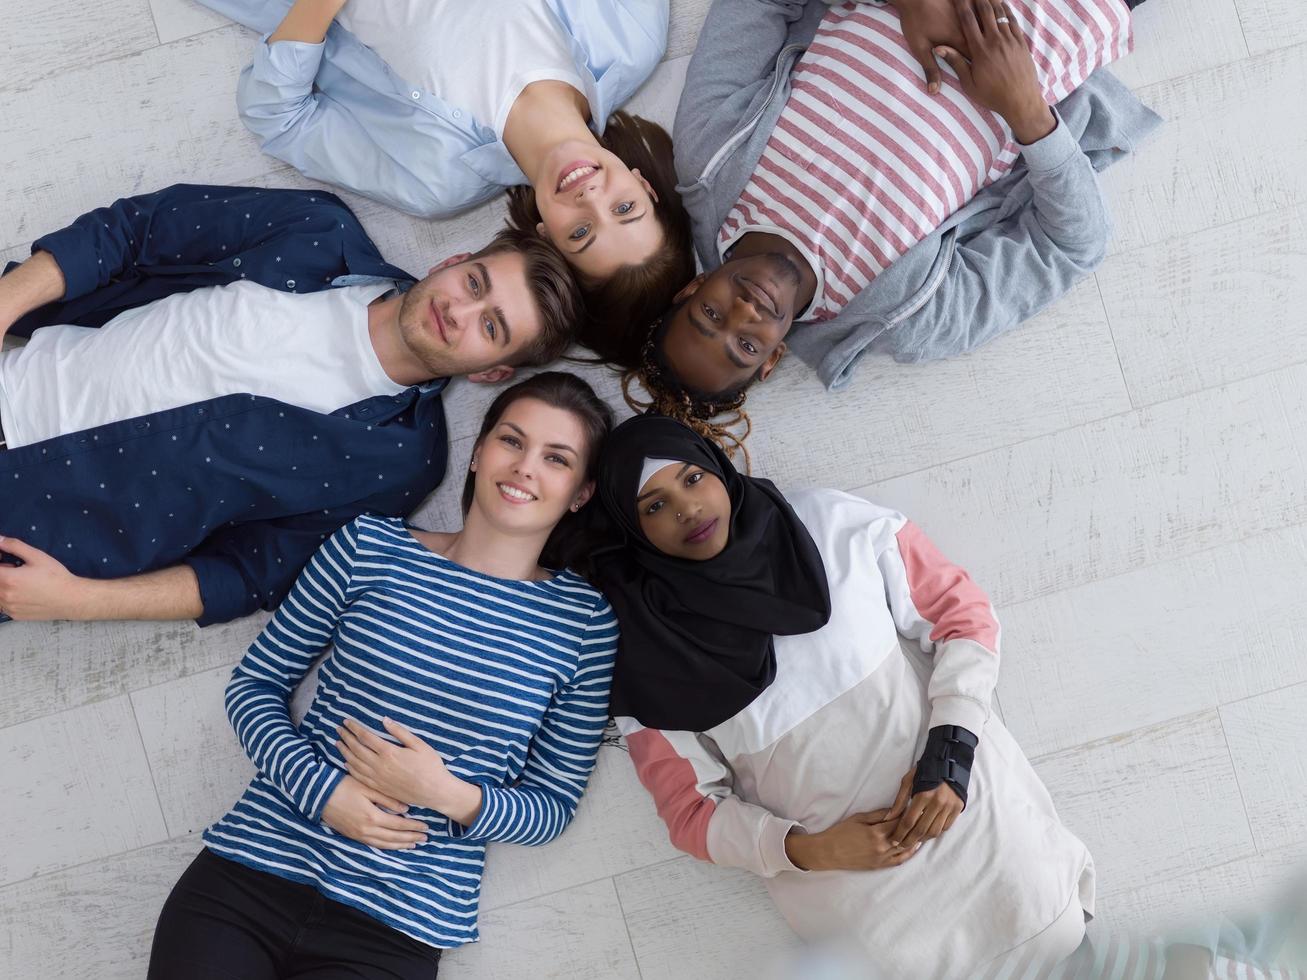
x: 947, y: 758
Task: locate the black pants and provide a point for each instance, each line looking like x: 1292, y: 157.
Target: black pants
x: 224, y: 921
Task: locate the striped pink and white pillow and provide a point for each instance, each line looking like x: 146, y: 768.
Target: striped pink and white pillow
x: 864, y: 163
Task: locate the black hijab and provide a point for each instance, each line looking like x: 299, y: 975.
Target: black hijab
x: 696, y: 642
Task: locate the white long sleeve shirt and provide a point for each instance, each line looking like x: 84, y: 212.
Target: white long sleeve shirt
x: 846, y: 717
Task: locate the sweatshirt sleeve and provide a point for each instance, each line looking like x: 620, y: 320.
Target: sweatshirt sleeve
x: 258, y: 696
x: 1004, y: 274
x: 935, y: 603
x: 736, y: 55
x: 562, y: 755
x: 691, y: 784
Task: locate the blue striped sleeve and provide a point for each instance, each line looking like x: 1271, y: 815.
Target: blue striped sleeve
x: 258, y: 696
x: 542, y: 803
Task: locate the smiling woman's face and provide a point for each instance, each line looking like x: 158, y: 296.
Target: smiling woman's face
x: 598, y: 211
x: 685, y: 512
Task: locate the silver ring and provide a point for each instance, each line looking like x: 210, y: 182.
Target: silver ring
x: 1001, y: 20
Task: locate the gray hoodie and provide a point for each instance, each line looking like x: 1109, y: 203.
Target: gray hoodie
x: 1018, y: 245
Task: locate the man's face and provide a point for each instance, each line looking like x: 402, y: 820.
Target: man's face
x: 733, y: 323
x: 470, y: 315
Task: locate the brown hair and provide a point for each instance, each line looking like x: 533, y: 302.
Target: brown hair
x: 717, y: 416
x: 553, y: 288
x: 561, y: 390
x: 620, y: 310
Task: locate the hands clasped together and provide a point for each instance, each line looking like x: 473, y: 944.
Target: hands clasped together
x: 883, y: 838
x: 385, y: 779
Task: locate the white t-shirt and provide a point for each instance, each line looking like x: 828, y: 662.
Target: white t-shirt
x: 308, y: 350
x: 475, y: 56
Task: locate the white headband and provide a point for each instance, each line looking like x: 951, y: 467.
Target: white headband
x: 652, y: 466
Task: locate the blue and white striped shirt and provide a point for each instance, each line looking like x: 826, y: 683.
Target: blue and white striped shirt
x: 507, y: 680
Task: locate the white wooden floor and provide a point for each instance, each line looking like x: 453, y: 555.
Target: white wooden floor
x: 1125, y: 474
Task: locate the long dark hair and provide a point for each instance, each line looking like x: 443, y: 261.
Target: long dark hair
x: 561, y: 390
x: 621, y: 310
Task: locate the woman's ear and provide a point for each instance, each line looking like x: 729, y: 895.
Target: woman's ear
x: 583, y: 496
x: 647, y: 186
x: 541, y: 230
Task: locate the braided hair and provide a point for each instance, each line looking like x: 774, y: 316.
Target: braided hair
x: 719, y: 417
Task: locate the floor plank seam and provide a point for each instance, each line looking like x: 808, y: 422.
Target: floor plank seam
x: 626, y: 924
x: 1185, y: 235
x: 149, y: 767
x: 1144, y: 91
x: 1243, y: 33
x: 579, y: 884
x: 1267, y: 532
x: 1111, y: 335
x: 1238, y: 784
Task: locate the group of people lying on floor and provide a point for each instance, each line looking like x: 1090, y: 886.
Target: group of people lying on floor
x: 230, y: 401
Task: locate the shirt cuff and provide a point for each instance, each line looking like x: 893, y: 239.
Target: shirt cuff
x: 223, y: 590
x: 312, y: 799
x: 958, y: 710
x: 772, y: 847
x: 293, y: 63
x: 73, y: 252
x: 1053, y: 150
x: 499, y: 816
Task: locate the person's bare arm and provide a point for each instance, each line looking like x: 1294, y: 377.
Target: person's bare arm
x: 307, y: 21
x: 36, y: 282
x: 43, y: 589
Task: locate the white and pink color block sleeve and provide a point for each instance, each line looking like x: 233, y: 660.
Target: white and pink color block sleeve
x: 691, y: 786
x: 937, y: 604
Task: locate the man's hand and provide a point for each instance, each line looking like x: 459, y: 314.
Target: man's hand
x: 42, y: 589
x: 39, y: 589
x: 858, y: 843
x: 1001, y: 73
x: 357, y: 812
x: 411, y: 771
x: 925, y: 816
x: 926, y: 24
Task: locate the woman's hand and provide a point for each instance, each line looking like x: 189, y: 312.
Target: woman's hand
x: 357, y: 812
x: 39, y: 589
x: 861, y: 842
x: 411, y: 771
x: 925, y: 816
x: 1001, y: 73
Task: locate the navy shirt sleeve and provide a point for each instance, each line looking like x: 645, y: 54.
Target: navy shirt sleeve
x: 253, y: 565
x: 185, y: 224
x: 140, y: 249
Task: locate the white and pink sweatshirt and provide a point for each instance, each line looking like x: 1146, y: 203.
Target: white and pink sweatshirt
x: 844, y: 720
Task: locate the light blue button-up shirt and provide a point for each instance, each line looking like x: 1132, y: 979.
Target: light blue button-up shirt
x: 337, y: 113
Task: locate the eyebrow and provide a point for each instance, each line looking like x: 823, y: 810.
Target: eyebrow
x: 624, y: 221
x: 549, y: 445
x: 709, y: 333
x: 499, y: 310
x: 679, y: 474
